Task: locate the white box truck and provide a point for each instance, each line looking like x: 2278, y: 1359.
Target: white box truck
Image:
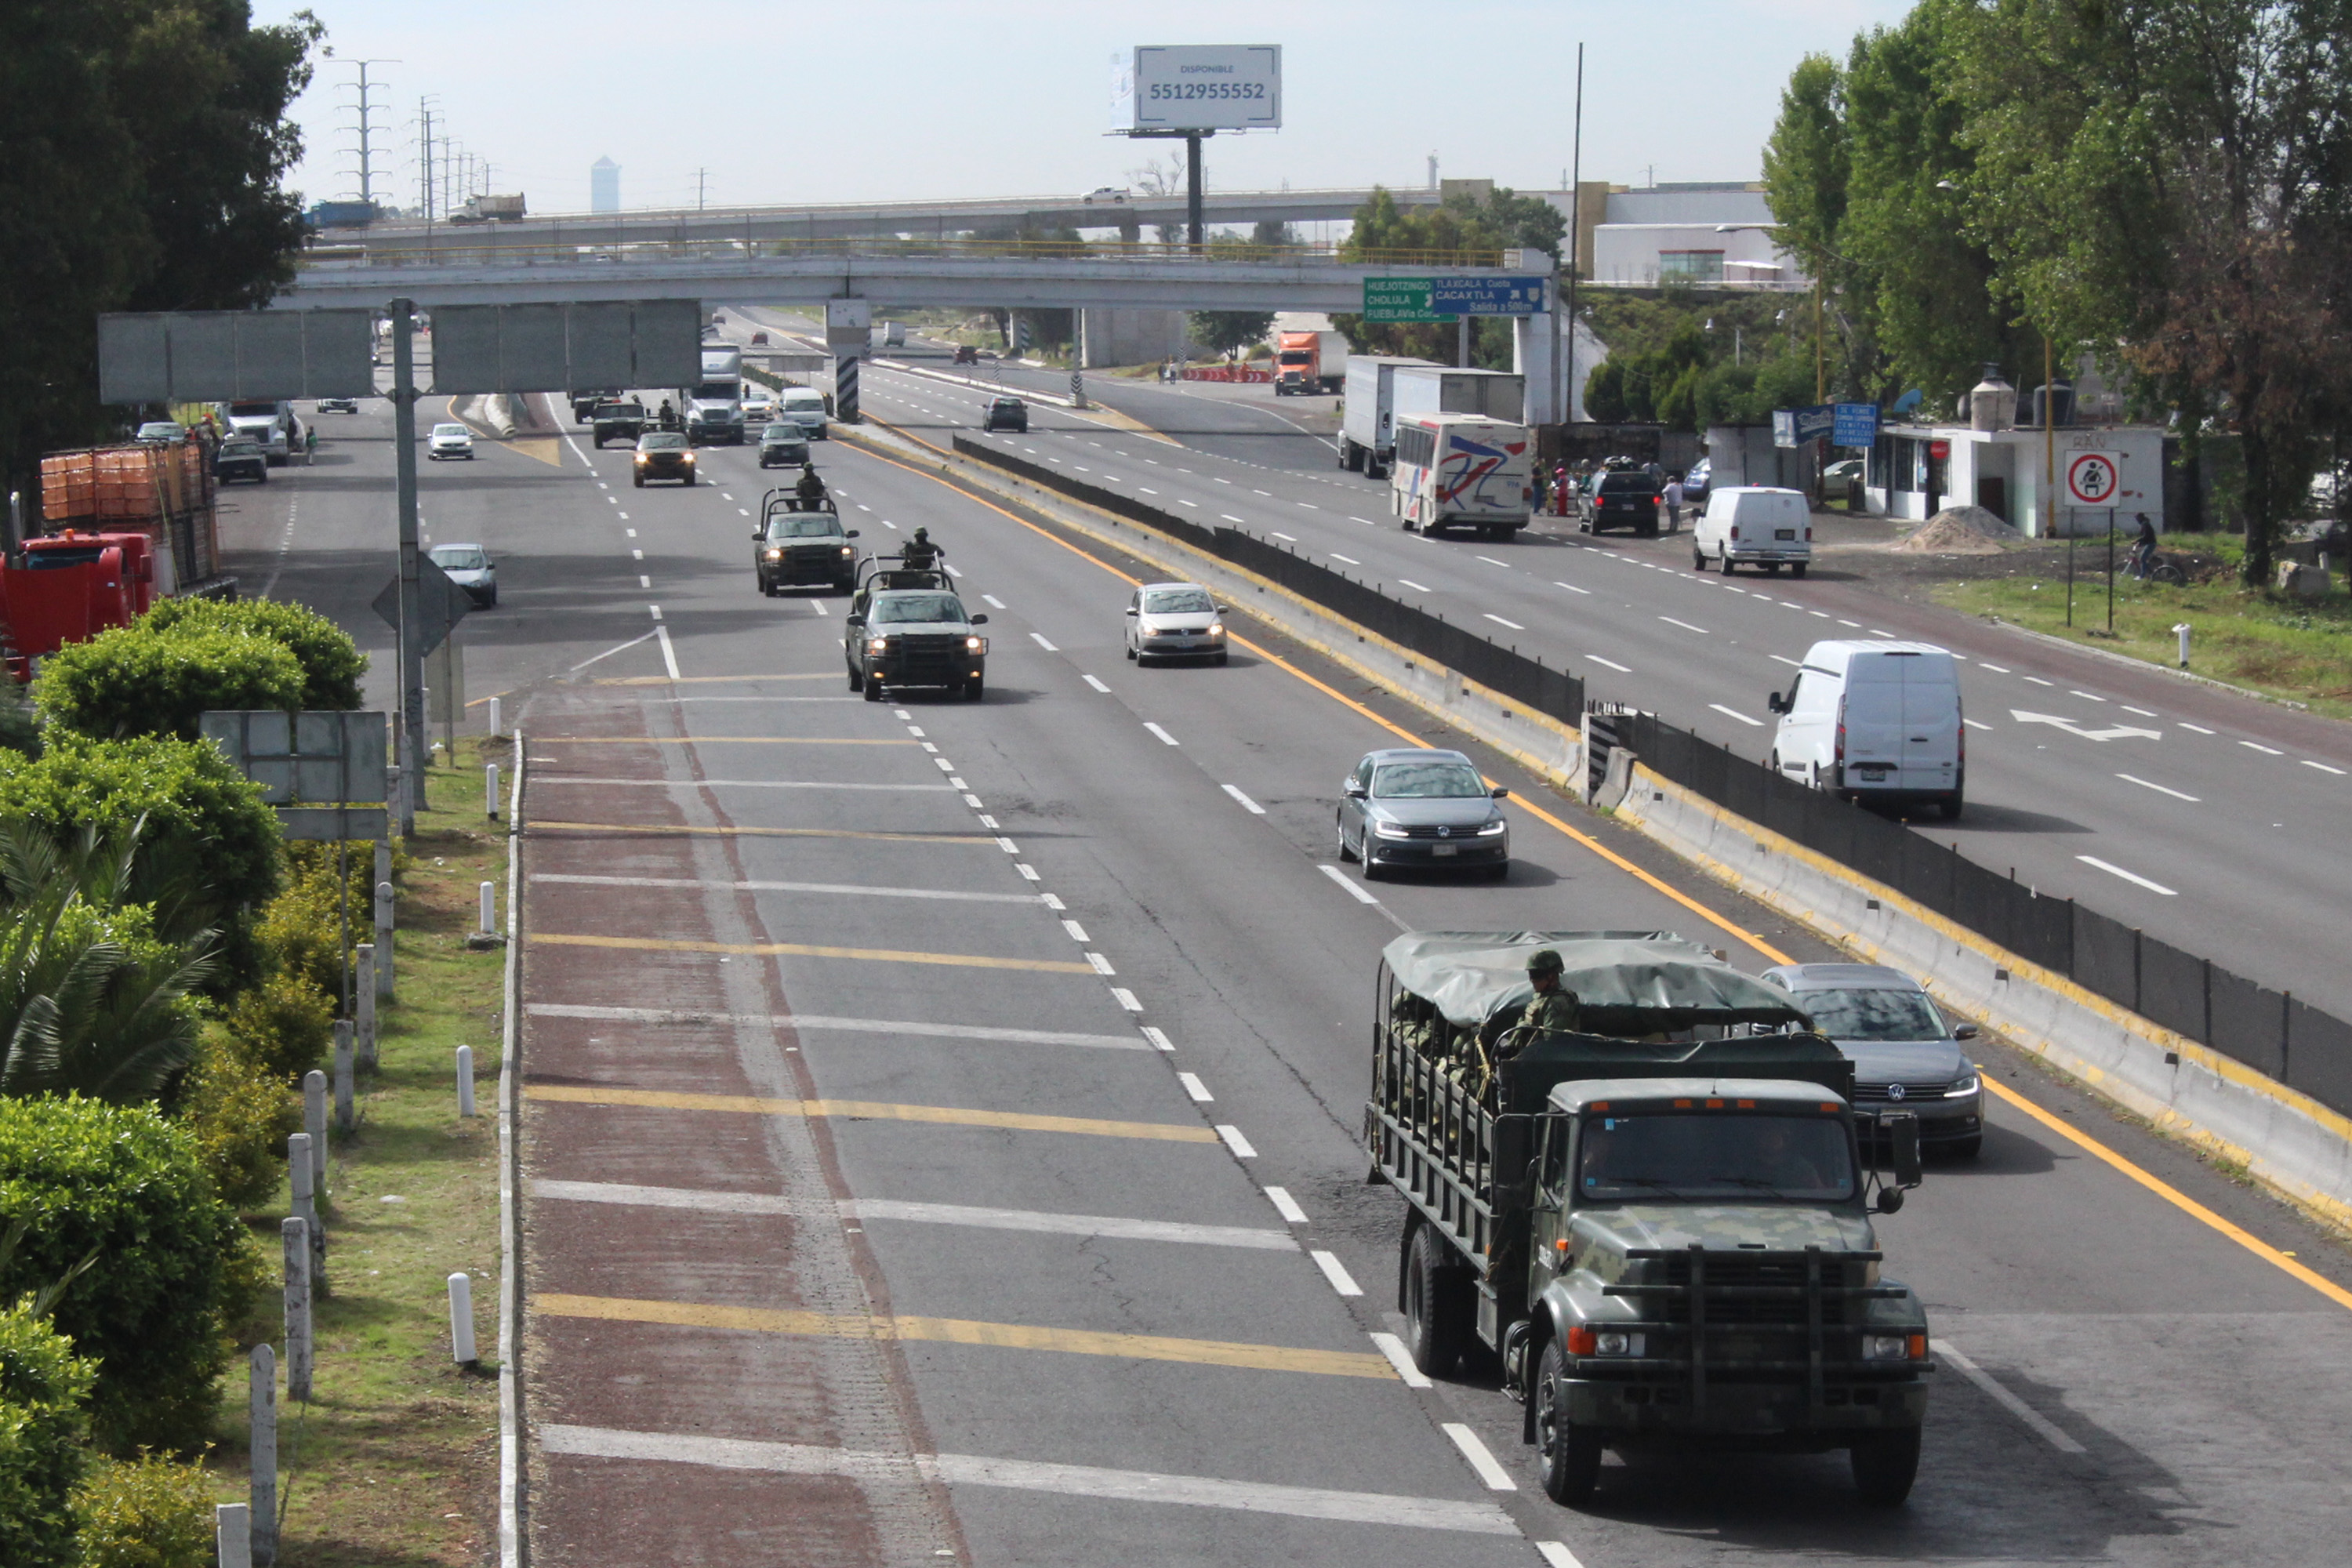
x: 1442, y: 389
x: 1368, y: 414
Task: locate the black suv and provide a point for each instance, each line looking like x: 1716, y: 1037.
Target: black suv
x: 1007, y: 414
x: 627, y: 421
x: 914, y: 637
x: 1623, y: 498
x: 800, y: 542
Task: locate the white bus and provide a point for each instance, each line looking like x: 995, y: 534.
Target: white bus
x: 1461, y: 470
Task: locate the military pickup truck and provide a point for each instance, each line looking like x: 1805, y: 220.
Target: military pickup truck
x: 1660, y: 1221
x: 800, y: 542
x: 909, y: 628
x: 617, y: 420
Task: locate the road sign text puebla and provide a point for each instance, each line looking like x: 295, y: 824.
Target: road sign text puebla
x: 1444, y: 298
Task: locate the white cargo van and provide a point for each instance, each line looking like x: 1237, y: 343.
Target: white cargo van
x: 803, y: 406
x: 1874, y: 720
x: 1754, y: 525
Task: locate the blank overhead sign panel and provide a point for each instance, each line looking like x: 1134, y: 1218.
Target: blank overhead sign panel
x: 1218, y: 86
x: 213, y: 356
x: 557, y: 348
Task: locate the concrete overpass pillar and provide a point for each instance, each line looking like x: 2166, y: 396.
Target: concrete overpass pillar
x: 1534, y: 341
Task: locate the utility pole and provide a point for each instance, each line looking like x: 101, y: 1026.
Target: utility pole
x: 412, y: 660
x: 366, y: 109
x: 425, y: 157
x: 1567, y: 404
x: 701, y: 189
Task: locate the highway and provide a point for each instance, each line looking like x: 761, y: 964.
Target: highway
x: 941, y: 1119
x: 2205, y: 819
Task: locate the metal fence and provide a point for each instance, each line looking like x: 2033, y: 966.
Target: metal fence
x: 1506, y: 671
x: 2296, y: 1044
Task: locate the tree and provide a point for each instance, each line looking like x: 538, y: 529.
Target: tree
x: 1223, y: 333
x: 2170, y: 182
x: 147, y: 139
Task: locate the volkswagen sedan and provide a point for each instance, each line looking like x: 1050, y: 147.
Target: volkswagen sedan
x: 1425, y: 809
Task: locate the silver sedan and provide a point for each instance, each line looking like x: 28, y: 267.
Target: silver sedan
x: 1422, y: 808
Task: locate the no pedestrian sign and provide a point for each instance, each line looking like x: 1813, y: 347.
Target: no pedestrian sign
x: 2092, y: 477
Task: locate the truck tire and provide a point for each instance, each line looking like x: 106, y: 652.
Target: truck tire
x: 975, y: 689
x: 1796, y: 570
x: 872, y: 689
x: 856, y: 679
x: 1436, y: 1300
x: 1569, y: 1455
x: 1885, y: 1465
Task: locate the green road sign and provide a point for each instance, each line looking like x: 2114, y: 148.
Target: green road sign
x: 1399, y: 300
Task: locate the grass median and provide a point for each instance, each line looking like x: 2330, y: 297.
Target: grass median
x: 2283, y: 646
x: 394, y: 1462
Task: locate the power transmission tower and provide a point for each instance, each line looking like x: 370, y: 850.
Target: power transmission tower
x: 701, y: 189
x: 365, y: 109
x: 425, y: 157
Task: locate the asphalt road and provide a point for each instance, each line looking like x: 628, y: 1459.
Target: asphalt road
x: 799, y: 1216
x: 2207, y: 819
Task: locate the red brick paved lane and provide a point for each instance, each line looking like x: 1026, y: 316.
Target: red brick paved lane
x: 837, y: 1393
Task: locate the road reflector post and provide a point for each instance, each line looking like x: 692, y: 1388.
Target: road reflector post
x: 2181, y: 631
x: 461, y: 1319
x: 343, y: 1111
x: 498, y: 731
x: 297, y: 1236
x: 490, y: 909
x: 465, y: 1081
x: 366, y: 954
x: 383, y: 938
x: 490, y: 789
x: 306, y: 1205
x: 262, y: 1442
x: 314, y: 1123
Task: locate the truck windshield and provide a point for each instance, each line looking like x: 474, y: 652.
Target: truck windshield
x: 804, y: 525
x: 253, y: 410
x: 1294, y: 356
x: 1714, y: 1157
x: 1873, y: 1014
x: 919, y: 607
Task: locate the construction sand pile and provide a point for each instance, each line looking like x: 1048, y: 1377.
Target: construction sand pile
x: 1962, y: 531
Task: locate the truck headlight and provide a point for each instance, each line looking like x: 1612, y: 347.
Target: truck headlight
x: 1391, y: 830
x: 877, y: 645
x: 849, y: 550
x: 1616, y: 1342
x: 775, y: 555
x: 1962, y: 1088
x: 974, y: 644
x: 1893, y: 1347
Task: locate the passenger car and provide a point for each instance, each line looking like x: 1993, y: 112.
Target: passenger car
x: 1755, y: 525
x: 1006, y: 414
x: 1422, y: 807
x: 1695, y: 481
x: 1105, y: 193
x: 449, y: 441
x: 663, y: 454
x: 339, y: 405
x: 758, y: 408
x: 1907, y: 1055
x: 783, y: 444
x: 165, y: 430
x: 916, y: 636
x: 241, y: 458
x: 469, y: 566
x: 966, y: 354
x: 1623, y: 498
x: 1174, y: 620
x: 795, y: 546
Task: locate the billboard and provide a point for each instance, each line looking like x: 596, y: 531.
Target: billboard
x: 1204, y: 87
x: 206, y: 356
x: 559, y: 347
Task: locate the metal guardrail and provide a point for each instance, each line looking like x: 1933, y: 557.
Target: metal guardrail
x: 2283, y: 1039
x: 462, y: 246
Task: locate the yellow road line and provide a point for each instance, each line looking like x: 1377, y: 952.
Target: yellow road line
x: 963, y: 1331
x: 805, y: 950
x: 541, y: 828
x: 871, y: 1111
x: 703, y: 679
x: 703, y: 740
x: 2175, y: 1196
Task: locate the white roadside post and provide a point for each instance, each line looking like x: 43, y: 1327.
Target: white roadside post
x: 461, y: 1319
x: 383, y: 938
x: 490, y: 789
x: 497, y: 730
x: 2181, y: 631
x: 233, y: 1534
x: 465, y: 1080
x: 295, y: 1234
x: 262, y: 1385
x: 306, y: 1204
x: 314, y: 1123
x: 344, y: 1116
x: 490, y: 925
x: 367, y: 1003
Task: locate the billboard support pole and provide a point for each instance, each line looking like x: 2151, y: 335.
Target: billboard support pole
x: 1567, y: 404
x: 412, y: 660
x: 1192, y: 190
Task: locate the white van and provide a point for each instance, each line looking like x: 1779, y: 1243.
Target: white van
x: 1754, y: 525
x: 803, y: 406
x: 1874, y: 720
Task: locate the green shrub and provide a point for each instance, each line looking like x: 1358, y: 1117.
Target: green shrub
x: 92, y: 1001
x: 153, y: 1307
x: 20, y: 726
x: 284, y: 1026
x: 301, y: 932
x: 331, y: 662
x: 42, y: 1432
x: 236, y: 1111
x: 206, y: 827
x: 148, y: 1512
x: 134, y: 680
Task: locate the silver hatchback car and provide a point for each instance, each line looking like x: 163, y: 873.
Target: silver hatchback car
x: 1907, y: 1055
x: 1175, y: 620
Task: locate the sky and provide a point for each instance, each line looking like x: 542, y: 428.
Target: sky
x: 767, y: 104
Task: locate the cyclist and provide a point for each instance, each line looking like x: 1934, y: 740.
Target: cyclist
x: 2142, y: 559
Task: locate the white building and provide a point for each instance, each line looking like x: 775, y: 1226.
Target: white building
x: 1706, y: 235
x: 1915, y: 470
x: 603, y: 186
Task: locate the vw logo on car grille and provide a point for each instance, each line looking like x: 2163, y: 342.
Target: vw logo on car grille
x: 1895, y: 1092
x: 1444, y: 832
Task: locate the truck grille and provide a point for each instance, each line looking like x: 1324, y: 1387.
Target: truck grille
x: 927, y: 653
x: 1749, y: 1291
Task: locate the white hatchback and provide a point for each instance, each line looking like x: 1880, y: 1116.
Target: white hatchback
x: 450, y: 441
x: 1175, y: 620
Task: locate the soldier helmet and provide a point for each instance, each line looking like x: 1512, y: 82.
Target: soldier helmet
x: 922, y: 535
x: 1544, y: 961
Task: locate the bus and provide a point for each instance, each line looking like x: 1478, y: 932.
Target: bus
x: 1461, y: 470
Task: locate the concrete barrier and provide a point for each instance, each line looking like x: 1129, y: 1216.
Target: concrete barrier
x: 2286, y: 1140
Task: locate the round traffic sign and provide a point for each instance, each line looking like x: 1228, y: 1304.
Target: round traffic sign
x: 2092, y: 479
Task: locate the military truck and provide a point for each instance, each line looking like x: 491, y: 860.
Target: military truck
x: 909, y: 627
x: 799, y: 543
x: 622, y: 419
x: 1658, y: 1221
